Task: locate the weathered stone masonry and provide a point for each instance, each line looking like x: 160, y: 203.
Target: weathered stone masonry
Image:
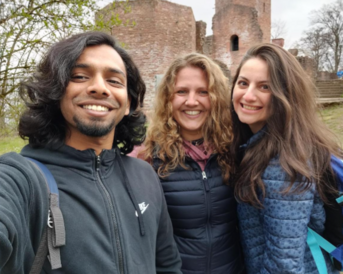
x: 166, y: 30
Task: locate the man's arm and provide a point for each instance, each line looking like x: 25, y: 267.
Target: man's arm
x: 17, y: 243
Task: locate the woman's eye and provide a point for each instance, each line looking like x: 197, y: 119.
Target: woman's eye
x: 266, y: 87
x: 204, y: 92
x: 242, y: 83
x: 180, y: 92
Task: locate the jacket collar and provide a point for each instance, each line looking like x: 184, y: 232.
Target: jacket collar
x: 69, y: 157
x: 255, y: 138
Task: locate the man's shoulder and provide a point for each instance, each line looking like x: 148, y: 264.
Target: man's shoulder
x: 12, y: 158
x: 17, y: 171
x: 16, y: 165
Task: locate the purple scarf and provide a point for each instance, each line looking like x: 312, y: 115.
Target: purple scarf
x: 199, y: 153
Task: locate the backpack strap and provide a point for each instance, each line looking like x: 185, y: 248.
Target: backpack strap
x: 54, y: 234
x: 315, y: 242
x: 337, y: 168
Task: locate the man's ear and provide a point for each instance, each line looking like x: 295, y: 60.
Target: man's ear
x: 127, y: 111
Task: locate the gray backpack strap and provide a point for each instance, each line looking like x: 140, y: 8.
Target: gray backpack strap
x: 41, y: 254
x: 54, y: 234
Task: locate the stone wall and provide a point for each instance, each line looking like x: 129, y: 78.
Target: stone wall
x: 163, y: 31
x: 243, y: 21
x: 208, y: 46
x: 166, y: 30
x: 325, y: 75
x: 280, y: 42
x: 309, y: 65
x: 200, y: 36
x: 262, y: 7
x: 330, y: 88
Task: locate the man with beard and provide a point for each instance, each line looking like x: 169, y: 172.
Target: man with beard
x: 82, y: 119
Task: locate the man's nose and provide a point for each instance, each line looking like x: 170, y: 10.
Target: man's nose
x: 98, y: 87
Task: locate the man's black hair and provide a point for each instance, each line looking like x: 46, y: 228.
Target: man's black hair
x: 43, y: 123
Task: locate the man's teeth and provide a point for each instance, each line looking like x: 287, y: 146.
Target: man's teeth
x: 250, y: 107
x: 95, y: 107
x: 192, y: 112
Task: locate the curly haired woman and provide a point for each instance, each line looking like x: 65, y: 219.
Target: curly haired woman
x: 188, y: 144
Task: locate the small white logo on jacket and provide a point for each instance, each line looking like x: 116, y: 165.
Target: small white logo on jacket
x: 143, y: 207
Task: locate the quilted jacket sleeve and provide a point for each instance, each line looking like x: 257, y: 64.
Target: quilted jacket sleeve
x: 285, y: 221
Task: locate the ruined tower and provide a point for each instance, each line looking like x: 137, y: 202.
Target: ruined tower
x: 237, y: 25
x: 163, y: 30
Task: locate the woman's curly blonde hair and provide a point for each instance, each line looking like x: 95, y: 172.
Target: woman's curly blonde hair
x: 164, y: 140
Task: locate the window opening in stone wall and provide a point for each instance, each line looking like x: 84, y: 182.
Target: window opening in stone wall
x: 264, y: 7
x: 234, y: 43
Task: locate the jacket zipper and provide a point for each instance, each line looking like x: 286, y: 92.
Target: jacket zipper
x: 209, y: 234
x: 114, y: 217
x: 204, y: 179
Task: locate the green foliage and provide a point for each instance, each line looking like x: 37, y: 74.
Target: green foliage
x: 109, y: 17
x: 13, y: 143
x: 29, y: 27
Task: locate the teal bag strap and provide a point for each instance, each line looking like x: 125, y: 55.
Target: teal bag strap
x: 339, y: 200
x: 315, y: 242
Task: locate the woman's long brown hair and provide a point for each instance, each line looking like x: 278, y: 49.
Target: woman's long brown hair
x: 293, y: 132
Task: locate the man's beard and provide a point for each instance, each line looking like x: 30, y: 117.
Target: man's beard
x: 94, y: 128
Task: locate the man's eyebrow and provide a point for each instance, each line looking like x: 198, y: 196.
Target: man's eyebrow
x: 80, y: 65
x: 113, y: 70
x: 118, y: 71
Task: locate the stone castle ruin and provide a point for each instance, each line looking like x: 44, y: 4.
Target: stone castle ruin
x: 164, y: 30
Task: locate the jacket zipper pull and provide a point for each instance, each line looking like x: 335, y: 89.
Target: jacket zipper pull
x: 204, y: 179
x: 97, y: 163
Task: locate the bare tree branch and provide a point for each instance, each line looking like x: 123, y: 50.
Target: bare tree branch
x: 278, y: 29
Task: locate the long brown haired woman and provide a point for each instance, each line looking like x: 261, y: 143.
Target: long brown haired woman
x: 282, y: 153
x: 188, y: 144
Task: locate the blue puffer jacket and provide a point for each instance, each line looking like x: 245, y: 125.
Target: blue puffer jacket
x: 203, y: 213
x: 274, y: 238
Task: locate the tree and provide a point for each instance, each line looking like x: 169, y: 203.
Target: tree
x: 325, y: 38
x: 28, y: 27
x: 278, y: 29
x: 314, y: 44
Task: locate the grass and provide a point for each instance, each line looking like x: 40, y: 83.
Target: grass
x: 333, y: 118
x: 331, y: 115
x: 13, y: 143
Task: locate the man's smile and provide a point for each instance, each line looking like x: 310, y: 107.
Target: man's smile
x: 96, y: 108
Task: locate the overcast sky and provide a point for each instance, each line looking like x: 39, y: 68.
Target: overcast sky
x: 295, y: 13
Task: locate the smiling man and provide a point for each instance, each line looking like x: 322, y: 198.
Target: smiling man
x: 82, y: 119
